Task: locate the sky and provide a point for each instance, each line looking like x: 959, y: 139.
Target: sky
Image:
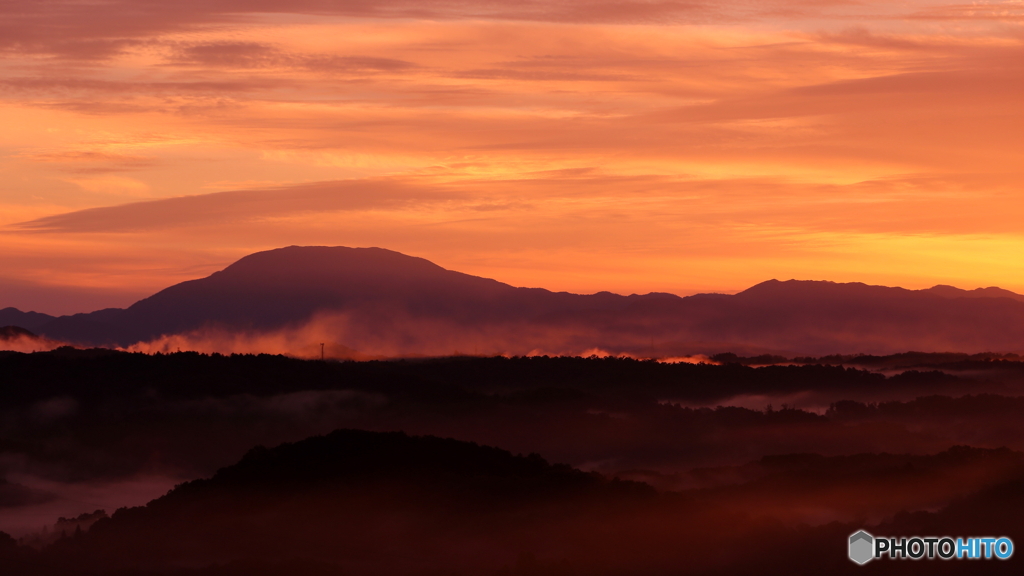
x: 621, y: 145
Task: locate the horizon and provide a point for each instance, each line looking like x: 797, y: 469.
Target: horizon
x: 366, y: 303
x: 627, y: 146
x: 4, y: 305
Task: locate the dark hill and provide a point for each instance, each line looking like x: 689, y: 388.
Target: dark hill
x: 381, y: 302
x: 355, y: 502
x: 12, y: 332
x: 16, y: 338
x: 347, y: 458
x: 28, y: 320
x: 372, y: 503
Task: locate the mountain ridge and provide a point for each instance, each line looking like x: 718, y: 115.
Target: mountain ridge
x: 398, y: 304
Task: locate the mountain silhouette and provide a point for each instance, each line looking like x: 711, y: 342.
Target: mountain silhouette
x: 383, y: 302
x: 30, y: 321
x: 990, y: 292
x: 12, y: 332
x: 386, y: 503
x: 18, y: 339
x: 374, y: 503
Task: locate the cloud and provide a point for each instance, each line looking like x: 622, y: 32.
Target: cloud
x: 256, y: 55
x: 239, y: 206
x: 57, y: 86
x: 1005, y: 11
x: 28, y: 344
x: 80, y: 31
x: 229, y: 54
x: 93, y: 162
x: 726, y: 143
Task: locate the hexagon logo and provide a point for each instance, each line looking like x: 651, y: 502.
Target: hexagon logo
x: 861, y: 544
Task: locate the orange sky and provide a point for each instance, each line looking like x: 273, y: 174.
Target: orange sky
x: 631, y: 146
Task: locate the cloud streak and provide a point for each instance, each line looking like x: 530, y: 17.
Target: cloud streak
x: 238, y: 206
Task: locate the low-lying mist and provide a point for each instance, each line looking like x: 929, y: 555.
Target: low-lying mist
x: 364, y: 336
x: 15, y: 339
x: 82, y: 430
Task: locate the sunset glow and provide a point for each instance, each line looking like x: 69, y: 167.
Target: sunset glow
x: 626, y: 146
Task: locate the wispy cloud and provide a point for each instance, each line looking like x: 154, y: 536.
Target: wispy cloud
x: 240, y: 206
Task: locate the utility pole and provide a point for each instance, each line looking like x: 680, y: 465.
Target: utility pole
x: 321, y: 351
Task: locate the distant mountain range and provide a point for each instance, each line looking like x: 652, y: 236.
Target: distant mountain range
x: 378, y: 301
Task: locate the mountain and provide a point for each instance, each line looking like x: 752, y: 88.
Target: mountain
x: 31, y: 321
x: 15, y: 332
x: 19, y: 339
x: 990, y: 292
x: 381, y: 504
x: 372, y: 503
x: 381, y: 302
x: 286, y: 287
